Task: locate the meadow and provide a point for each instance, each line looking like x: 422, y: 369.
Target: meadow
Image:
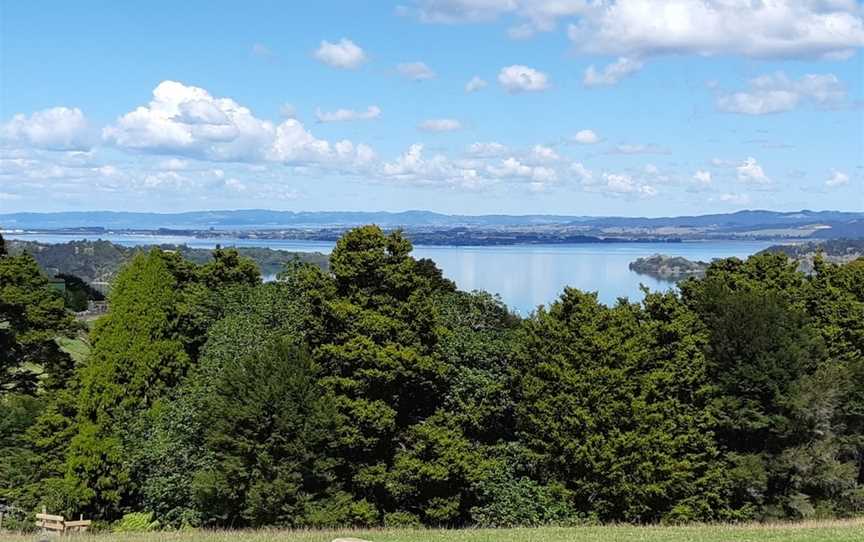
x: 807, y: 531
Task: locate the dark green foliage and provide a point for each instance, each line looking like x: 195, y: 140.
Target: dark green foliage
x: 31, y: 317
x: 610, y: 402
x: 376, y: 394
x: 269, y: 426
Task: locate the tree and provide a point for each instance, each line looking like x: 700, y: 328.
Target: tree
x: 611, y: 404
x: 777, y: 390
x: 137, y: 357
x: 269, y: 426
x: 32, y: 316
x: 374, y: 332
x: 229, y: 268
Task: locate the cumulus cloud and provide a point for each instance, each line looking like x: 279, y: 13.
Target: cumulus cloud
x: 542, y: 153
x: 514, y: 168
x: 642, y: 28
x: 586, y: 137
x: 412, y: 166
x: 440, y: 125
x: 344, y: 54
x: 56, y: 129
x: 766, y: 29
x: 415, y: 71
x: 344, y: 115
x: 612, y: 184
x: 518, y: 78
x: 776, y: 93
x: 612, y: 73
x: 838, y: 178
x: 702, y: 178
x: 188, y: 121
x: 475, y: 84
x: 751, y: 172
x: 582, y: 173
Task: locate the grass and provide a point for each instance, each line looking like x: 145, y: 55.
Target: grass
x: 78, y: 347
x: 810, y: 531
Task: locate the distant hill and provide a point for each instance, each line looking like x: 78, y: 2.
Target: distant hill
x: 264, y: 219
x: 99, y: 261
x: 838, y: 251
x: 435, y: 228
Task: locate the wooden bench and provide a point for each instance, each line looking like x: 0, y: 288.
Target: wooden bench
x: 58, y: 524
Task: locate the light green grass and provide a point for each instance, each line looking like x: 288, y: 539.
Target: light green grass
x: 78, y: 348
x: 813, y: 531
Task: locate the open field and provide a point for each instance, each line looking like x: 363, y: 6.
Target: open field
x: 812, y: 531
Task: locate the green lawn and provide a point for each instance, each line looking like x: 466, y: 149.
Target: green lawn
x: 834, y: 531
x: 78, y: 348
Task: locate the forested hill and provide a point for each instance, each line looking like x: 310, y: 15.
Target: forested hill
x: 99, y: 261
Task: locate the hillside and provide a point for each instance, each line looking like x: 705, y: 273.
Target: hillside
x: 99, y: 261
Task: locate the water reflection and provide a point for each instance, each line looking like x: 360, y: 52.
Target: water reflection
x: 524, y: 276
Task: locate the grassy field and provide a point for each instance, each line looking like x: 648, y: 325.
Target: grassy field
x: 834, y: 531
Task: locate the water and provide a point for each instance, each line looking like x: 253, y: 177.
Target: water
x: 525, y: 276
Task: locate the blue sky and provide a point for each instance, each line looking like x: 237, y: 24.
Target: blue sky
x: 586, y: 107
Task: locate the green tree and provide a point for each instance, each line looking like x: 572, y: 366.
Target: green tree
x: 269, y: 426
x: 611, y: 403
x: 137, y: 357
x: 31, y: 318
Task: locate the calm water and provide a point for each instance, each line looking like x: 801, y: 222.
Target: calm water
x: 524, y: 275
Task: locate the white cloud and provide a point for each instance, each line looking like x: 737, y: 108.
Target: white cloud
x: 518, y: 78
x: 539, y: 15
x: 586, y: 137
x: 612, y: 73
x: 751, y: 172
x: 187, y: 121
x: 768, y: 28
x: 702, y: 178
x: 440, y: 125
x: 413, y: 166
x: 490, y: 149
x: 344, y: 54
x: 735, y: 199
x: 584, y: 175
x: 776, y: 93
x: 344, y: 115
x: 838, y: 178
x: 56, y: 129
x: 475, y: 84
x: 629, y: 148
x: 624, y: 184
x: 416, y: 71
x: 513, y: 168
x: 542, y: 153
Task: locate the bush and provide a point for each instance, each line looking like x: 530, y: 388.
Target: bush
x: 136, y: 522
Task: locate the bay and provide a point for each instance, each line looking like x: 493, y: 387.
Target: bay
x: 525, y: 276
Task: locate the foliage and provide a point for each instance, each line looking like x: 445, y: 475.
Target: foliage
x: 31, y: 317
x: 374, y: 393
x: 135, y: 522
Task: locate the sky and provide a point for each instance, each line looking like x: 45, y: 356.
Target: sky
x: 581, y: 107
